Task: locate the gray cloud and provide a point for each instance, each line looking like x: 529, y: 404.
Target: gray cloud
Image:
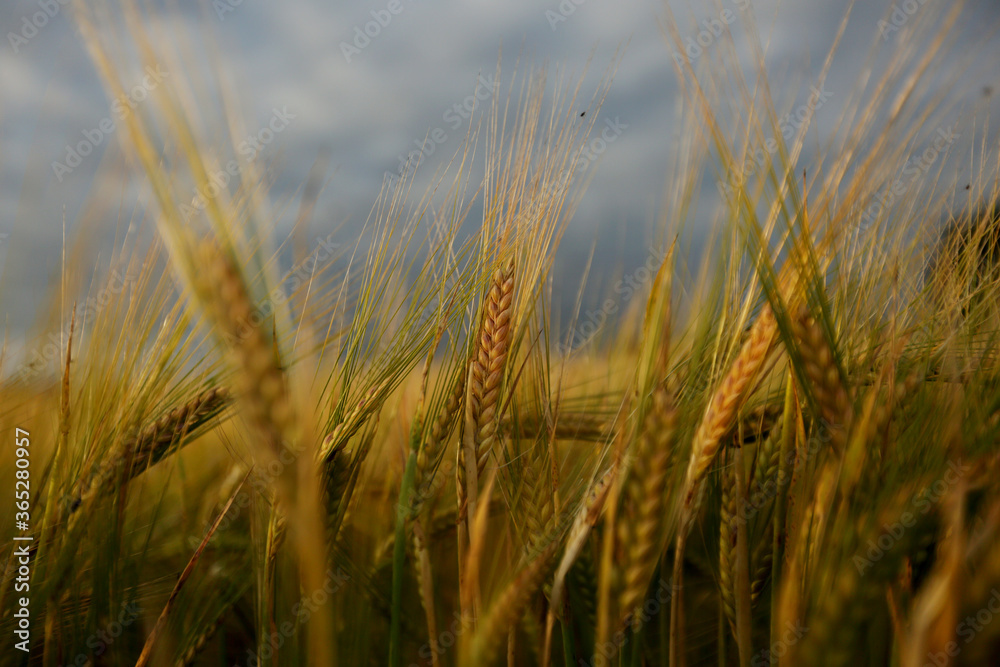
x: 369, y: 110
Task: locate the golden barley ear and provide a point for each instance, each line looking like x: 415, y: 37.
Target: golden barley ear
x: 152, y: 444
x: 259, y: 382
x: 722, y: 408
x: 824, y: 376
x: 351, y: 423
x: 486, y: 373
x: 432, y: 449
x: 717, y: 420
x: 200, y: 642
x: 727, y: 547
x: 484, y: 647
x: 641, y: 527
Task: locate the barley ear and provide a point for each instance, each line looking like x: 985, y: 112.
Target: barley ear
x: 486, y: 374
x: 645, y: 493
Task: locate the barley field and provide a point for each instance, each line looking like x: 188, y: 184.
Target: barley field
x: 399, y: 451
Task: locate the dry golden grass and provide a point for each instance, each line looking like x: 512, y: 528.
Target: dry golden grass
x: 789, y: 458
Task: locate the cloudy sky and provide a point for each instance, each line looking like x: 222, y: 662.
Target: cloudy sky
x: 369, y: 100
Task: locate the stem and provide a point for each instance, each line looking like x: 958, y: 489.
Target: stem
x: 723, y: 636
x: 567, y: 640
x: 398, y: 557
x: 788, y: 431
x: 742, y: 574
x: 664, y: 617
x: 676, y: 650
x: 636, y: 648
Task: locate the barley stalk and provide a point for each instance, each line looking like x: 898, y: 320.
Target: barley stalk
x: 504, y: 613
x: 261, y: 389
x: 585, y: 519
x: 425, y: 580
x: 716, y: 421
x: 567, y: 427
x: 645, y: 493
x: 722, y: 409
x: 432, y: 449
x: 824, y: 377
x: 727, y: 549
x: 336, y: 439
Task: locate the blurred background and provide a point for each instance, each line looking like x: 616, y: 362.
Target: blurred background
x: 364, y: 85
